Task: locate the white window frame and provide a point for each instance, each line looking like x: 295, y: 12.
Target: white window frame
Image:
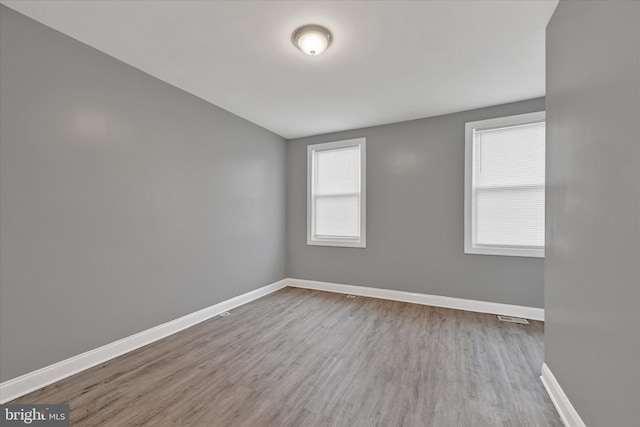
x: 328, y: 241
x: 470, y: 129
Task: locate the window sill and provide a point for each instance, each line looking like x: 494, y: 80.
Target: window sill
x: 527, y: 253
x: 337, y: 243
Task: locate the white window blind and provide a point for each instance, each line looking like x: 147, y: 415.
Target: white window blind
x: 336, y: 200
x: 507, y: 187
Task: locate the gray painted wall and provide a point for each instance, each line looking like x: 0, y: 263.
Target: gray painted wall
x: 124, y: 202
x: 592, y: 273
x: 415, y: 212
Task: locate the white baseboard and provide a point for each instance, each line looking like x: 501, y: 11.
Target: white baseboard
x: 14, y: 388
x: 424, y: 299
x: 567, y: 412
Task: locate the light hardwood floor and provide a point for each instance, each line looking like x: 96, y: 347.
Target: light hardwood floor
x: 308, y: 358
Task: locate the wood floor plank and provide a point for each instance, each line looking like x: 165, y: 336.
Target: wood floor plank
x: 299, y: 357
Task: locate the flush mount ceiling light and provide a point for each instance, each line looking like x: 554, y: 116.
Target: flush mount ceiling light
x: 312, y: 39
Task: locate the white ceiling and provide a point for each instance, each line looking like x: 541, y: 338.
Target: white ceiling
x: 390, y: 60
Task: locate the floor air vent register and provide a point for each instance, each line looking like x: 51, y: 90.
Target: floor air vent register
x: 513, y: 320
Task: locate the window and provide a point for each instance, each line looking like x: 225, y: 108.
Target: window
x: 336, y: 193
x: 504, y: 186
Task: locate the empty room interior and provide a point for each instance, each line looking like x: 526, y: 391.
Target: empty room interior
x: 320, y: 213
